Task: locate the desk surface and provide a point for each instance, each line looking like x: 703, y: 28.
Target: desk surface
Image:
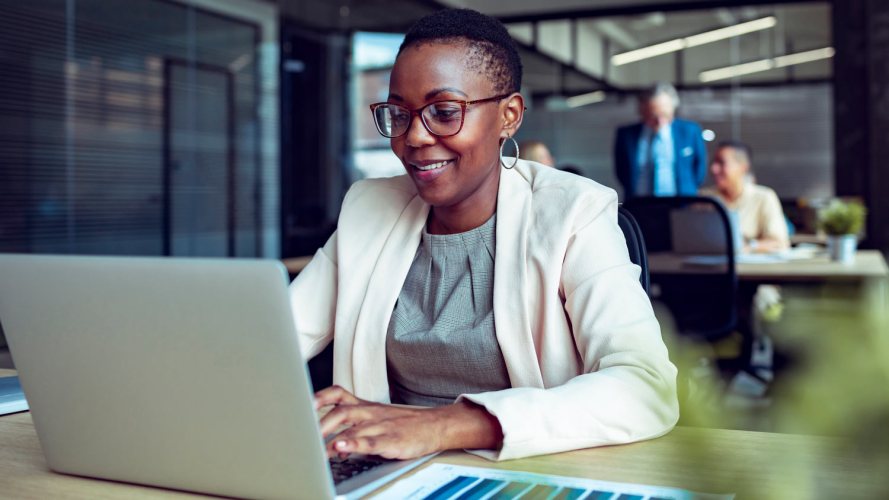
x: 868, y: 264
x: 759, y: 465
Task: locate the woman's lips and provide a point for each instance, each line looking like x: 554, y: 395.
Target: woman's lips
x: 429, y: 171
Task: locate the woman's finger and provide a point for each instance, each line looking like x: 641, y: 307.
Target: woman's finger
x: 385, y: 445
x: 391, y: 438
x: 334, y: 395
x: 337, y: 445
x: 345, y: 442
x: 347, y: 416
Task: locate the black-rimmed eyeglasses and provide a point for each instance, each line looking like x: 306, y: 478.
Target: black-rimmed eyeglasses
x: 441, y: 118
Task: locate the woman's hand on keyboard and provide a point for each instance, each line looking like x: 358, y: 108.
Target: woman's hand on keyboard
x: 359, y: 426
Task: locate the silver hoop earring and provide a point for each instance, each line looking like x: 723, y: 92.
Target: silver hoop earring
x: 516, y: 160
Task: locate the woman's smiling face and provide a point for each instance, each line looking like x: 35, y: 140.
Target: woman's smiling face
x: 458, y: 172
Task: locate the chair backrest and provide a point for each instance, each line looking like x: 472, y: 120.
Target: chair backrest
x: 701, y: 293
x: 635, y: 244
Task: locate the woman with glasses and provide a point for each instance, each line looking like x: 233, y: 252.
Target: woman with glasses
x: 497, y: 291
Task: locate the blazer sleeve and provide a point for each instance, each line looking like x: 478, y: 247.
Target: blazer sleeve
x: 627, y: 391
x: 313, y: 300
x: 622, y: 160
x: 699, y: 163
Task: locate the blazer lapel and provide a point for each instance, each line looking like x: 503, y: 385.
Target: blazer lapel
x: 369, y: 377
x: 510, y: 266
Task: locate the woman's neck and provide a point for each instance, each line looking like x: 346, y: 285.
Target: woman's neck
x: 452, y: 220
x: 471, y: 211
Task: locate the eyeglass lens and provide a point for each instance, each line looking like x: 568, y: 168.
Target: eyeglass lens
x: 440, y: 118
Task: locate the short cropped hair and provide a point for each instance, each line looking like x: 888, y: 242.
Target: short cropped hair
x: 742, y: 151
x: 492, y: 50
x: 657, y: 89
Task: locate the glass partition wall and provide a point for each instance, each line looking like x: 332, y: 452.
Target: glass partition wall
x: 135, y: 128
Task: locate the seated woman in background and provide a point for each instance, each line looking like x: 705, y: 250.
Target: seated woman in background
x: 760, y: 215
x: 495, y: 290
x: 536, y: 151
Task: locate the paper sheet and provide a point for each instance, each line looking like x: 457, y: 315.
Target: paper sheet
x: 445, y: 481
x: 12, y: 399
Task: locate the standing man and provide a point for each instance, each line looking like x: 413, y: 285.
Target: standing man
x: 663, y: 155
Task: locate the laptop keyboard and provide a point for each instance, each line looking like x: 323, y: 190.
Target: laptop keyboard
x: 352, y: 466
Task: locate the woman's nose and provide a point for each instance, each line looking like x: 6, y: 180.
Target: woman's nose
x: 417, y: 135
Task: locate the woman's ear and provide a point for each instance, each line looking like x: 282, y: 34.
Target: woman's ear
x: 513, y: 112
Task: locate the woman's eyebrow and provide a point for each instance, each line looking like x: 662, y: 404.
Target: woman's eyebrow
x: 442, y: 90
x: 431, y: 94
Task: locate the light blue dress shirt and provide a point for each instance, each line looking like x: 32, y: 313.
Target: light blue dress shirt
x: 656, y: 155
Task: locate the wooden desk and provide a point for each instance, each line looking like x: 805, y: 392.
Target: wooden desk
x: 754, y: 464
x: 869, y: 264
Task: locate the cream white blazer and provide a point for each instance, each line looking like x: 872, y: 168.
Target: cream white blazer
x: 581, y: 343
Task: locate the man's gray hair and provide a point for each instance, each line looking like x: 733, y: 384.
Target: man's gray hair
x: 658, y: 89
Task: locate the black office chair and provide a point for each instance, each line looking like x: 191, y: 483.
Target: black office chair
x: 635, y: 244
x: 701, y: 298
x: 321, y: 368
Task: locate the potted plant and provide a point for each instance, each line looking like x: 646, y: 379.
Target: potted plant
x: 842, y: 222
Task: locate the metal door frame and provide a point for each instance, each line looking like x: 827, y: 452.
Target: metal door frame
x: 167, y: 162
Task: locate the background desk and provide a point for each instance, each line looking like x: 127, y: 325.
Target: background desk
x: 867, y: 279
x: 869, y: 264
x: 760, y: 465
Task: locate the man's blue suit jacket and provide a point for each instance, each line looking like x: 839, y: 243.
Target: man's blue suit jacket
x: 690, y: 157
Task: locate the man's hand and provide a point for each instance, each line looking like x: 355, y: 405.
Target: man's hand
x: 360, y: 426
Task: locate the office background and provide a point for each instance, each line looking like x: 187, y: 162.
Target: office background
x: 234, y: 127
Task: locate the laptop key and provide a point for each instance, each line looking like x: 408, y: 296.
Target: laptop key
x: 344, y: 469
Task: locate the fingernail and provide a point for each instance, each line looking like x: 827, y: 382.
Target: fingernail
x: 341, y: 445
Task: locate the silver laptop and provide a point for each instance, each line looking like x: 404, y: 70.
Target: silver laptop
x: 181, y: 373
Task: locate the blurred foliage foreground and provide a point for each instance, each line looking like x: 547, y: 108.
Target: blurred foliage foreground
x: 829, y: 399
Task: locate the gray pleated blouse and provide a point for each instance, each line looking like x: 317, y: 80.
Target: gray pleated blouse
x: 441, y: 341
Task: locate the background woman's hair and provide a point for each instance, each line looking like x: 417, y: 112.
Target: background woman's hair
x: 492, y: 50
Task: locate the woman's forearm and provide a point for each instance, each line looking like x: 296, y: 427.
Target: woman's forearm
x: 466, y: 425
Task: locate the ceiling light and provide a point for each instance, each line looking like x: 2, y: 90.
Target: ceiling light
x: 693, y: 41
x: 804, y: 57
x: 584, y: 99
x: 766, y: 64
x: 731, y: 31
x: 737, y: 70
x: 648, y: 52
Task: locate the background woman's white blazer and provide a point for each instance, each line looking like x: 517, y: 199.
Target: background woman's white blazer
x: 583, y: 349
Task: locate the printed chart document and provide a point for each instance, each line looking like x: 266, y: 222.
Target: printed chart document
x: 12, y: 399
x: 444, y: 481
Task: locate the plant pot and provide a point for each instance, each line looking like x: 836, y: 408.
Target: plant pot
x: 841, y: 248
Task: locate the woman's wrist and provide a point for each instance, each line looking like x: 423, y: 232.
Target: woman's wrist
x: 466, y: 425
